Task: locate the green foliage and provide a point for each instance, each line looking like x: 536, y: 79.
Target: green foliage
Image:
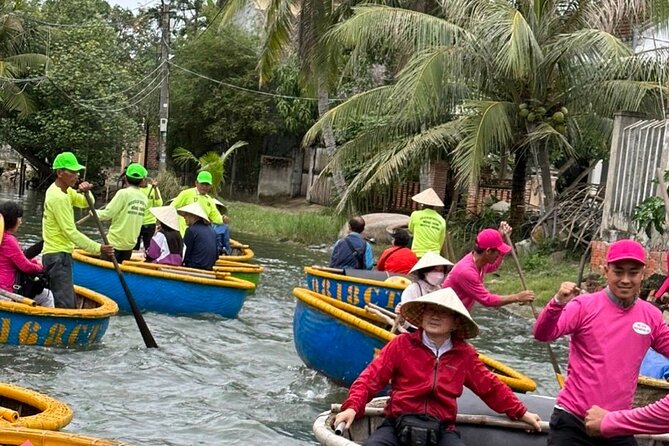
x: 206, y: 116
x: 534, y: 262
x: 87, y: 62
x: 169, y: 184
x: 212, y: 162
x: 303, y: 227
x: 297, y: 115
x: 651, y: 213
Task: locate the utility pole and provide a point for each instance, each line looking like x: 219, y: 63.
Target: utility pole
x: 163, y: 113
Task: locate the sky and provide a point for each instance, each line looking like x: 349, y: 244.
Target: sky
x: 131, y: 4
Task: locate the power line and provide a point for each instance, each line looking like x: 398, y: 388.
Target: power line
x: 120, y: 93
x: 248, y: 90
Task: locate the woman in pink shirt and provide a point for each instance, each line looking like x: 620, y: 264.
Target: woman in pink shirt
x: 12, y: 258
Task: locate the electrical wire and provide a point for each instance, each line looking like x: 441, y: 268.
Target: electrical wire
x: 248, y: 90
x: 120, y: 93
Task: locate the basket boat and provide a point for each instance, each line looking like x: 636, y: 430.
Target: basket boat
x: 20, y: 407
x: 171, y: 290
x: 353, y: 336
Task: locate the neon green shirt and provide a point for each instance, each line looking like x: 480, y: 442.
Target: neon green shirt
x: 154, y: 200
x: 58, y: 230
x: 429, y: 231
x: 191, y: 195
x: 126, y: 212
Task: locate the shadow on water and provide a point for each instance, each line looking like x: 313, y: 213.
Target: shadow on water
x: 216, y: 381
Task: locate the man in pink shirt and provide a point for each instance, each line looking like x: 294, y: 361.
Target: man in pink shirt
x: 466, y: 277
x: 650, y: 419
x: 610, y: 330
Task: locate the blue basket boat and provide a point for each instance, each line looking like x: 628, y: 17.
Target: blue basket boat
x: 23, y: 324
x: 357, y: 287
x: 339, y: 340
x: 172, y: 290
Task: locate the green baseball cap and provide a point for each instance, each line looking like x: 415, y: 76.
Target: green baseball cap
x: 204, y: 177
x: 67, y: 160
x: 136, y: 171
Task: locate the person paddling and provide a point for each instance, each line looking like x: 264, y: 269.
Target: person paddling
x: 466, y: 277
x: 59, y: 233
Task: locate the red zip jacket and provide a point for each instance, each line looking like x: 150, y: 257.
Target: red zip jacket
x: 421, y: 383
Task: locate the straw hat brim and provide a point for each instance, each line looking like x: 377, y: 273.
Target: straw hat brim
x: 429, y: 260
x: 167, y: 215
x: 412, y: 311
x: 220, y: 203
x: 428, y: 197
x: 194, y: 209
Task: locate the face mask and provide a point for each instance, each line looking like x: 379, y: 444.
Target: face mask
x: 434, y: 277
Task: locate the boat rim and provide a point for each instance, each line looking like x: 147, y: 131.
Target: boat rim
x: 106, y: 309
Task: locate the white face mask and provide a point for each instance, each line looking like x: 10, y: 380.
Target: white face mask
x: 435, y: 278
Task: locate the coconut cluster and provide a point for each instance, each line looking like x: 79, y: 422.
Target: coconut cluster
x: 555, y: 116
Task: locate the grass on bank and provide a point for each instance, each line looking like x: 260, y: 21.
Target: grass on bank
x: 542, y: 274
x: 307, y: 227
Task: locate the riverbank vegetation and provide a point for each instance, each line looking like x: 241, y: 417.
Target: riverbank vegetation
x: 307, y: 227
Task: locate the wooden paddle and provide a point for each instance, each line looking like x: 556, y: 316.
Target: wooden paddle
x: 141, y: 323
x: 551, y: 354
x: 6, y: 295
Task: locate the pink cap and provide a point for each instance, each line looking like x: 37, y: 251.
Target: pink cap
x: 491, y: 239
x: 626, y: 250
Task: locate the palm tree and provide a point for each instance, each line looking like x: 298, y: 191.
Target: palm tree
x: 485, y: 76
x: 17, y: 67
x: 212, y: 162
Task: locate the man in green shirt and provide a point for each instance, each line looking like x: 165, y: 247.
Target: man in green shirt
x: 154, y: 200
x: 198, y: 194
x: 59, y: 233
x: 427, y: 226
x: 126, y: 212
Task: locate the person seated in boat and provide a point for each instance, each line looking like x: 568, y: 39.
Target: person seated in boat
x: 466, y: 277
x: 59, y: 232
x: 399, y: 258
x: 153, y: 199
x: 610, y: 332
x: 126, y: 212
x: 353, y: 251
x: 427, y: 371
x: 222, y: 230
x: 166, y: 245
x: 650, y: 419
x: 198, y: 194
x: 12, y: 258
x: 426, y: 225
x: 200, y: 239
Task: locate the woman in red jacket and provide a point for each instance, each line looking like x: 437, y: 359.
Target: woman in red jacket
x: 427, y: 371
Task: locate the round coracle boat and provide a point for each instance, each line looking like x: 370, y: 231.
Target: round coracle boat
x: 240, y: 252
x: 353, y: 336
x: 357, y: 287
x: 20, y: 436
x: 170, y: 289
x: 475, y: 421
x: 20, y: 407
x: 24, y: 323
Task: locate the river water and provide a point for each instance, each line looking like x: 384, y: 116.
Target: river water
x: 215, y: 381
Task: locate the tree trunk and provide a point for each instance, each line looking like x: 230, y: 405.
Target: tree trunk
x: 330, y: 144
x: 518, y: 182
x: 546, y: 183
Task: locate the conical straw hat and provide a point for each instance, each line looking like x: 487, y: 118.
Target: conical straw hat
x: 194, y: 209
x: 412, y: 311
x: 166, y: 215
x: 430, y: 259
x: 428, y: 197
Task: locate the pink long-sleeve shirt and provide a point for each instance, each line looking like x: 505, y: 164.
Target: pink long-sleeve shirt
x: 607, y: 345
x: 467, y: 281
x: 651, y: 419
x: 12, y: 259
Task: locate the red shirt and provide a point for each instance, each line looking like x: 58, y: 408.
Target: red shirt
x: 422, y: 383
x: 397, y: 260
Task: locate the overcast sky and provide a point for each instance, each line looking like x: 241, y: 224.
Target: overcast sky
x: 131, y: 4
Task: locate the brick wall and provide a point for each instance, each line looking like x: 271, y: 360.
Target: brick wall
x: 657, y: 260
x: 478, y: 194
